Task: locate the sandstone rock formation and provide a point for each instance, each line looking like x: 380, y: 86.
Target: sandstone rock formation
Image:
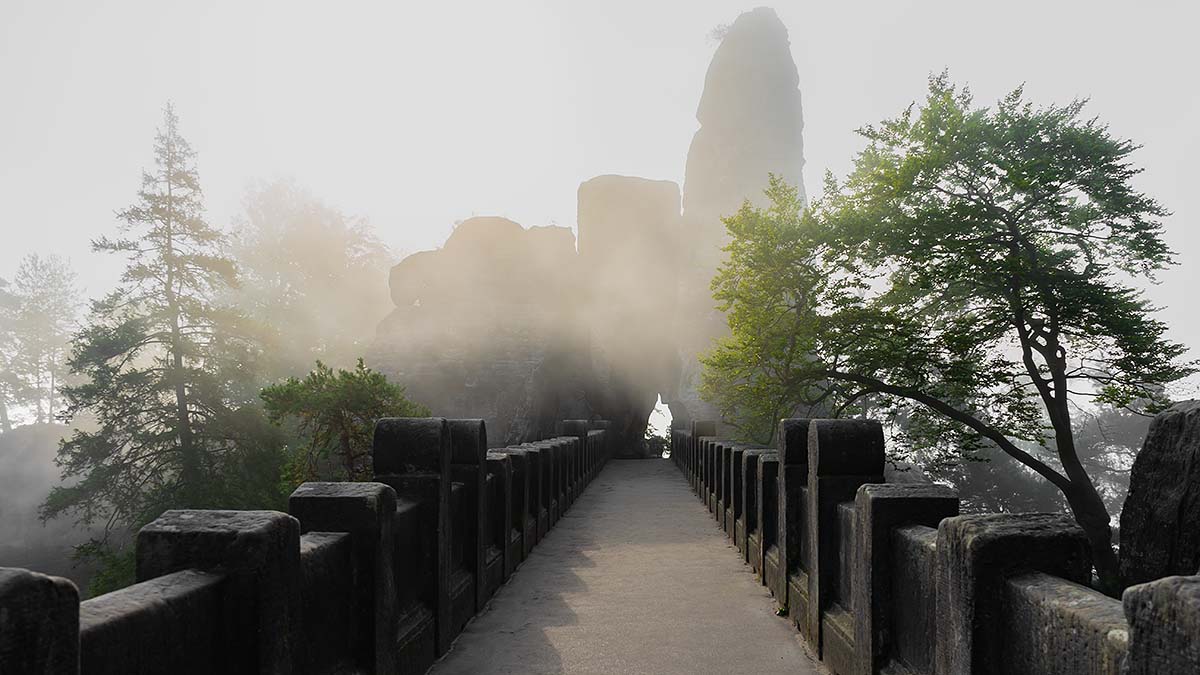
x: 751, y: 126
x: 488, y: 324
x: 629, y: 232
x: 1160, y: 522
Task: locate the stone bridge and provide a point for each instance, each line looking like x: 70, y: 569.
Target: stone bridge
x: 547, y: 557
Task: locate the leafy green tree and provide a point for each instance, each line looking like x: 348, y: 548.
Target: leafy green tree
x: 154, y: 367
x: 971, y: 276
x: 336, y: 414
x: 41, y: 320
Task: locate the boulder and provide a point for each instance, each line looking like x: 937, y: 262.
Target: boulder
x: 1160, y: 522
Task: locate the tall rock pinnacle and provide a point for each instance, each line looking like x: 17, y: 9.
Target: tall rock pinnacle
x: 750, y: 125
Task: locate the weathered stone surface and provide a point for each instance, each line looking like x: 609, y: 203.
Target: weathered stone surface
x: 842, y: 456
x: 1055, y: 626
x: 1160, y: 522
x: 39, y: 623
x: 881, y: 508
x: 327, y: 573
x: 1164, y: 626
x: 914, y: 598
x: 260, y: 552
x: 367, y: 512
x: 976, y: 554
x: 163, y: 625
x: 404, y: 445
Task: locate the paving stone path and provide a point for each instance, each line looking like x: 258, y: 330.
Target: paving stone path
x: 635, y: 579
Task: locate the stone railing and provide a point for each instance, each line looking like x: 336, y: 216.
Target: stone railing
x: 372, y: 577
x: 887, y: 577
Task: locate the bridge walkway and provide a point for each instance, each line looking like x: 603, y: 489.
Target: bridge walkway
x: 635, y: 579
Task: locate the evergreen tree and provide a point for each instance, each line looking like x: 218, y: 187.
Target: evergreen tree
x: 336, y: 414
x: 151, y: 361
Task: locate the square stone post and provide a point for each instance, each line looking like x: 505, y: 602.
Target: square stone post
x: 842, y: 455
x: 39, y: 623
x: 412, y: 455
x: 524, y: 506
x: 975, y: 554
x: 735, y: 518
x: 367, y: 512
x: 500, y: 523
x: 792, y: 445
x: 879, y: 509
x: 259, y: 552
x: 766, y: 486
x: 468, y: 465
x: 751, y: 534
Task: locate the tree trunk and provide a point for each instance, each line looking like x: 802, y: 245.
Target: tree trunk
x: 1092, y: 516
x: 189, y: 468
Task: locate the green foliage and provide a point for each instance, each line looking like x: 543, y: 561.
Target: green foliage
x: 970, y: 278
x: 336, y: 413
x: 115, y: 566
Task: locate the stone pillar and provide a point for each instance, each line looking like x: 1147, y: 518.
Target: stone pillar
x: 367, y: 512
x: 842, y: 455
x: 975, y: 554
x: 412, y: 455
x: 766, y: 499
x: 524, y: 505
x: 752, y: 533
x: 500, y: 524
x: 259, y: 551
x: 468, y: 465
x: 879, y: 509
x: 792, y: 446
x: 39, y: 623
x: 1164, y: 626
x: 700, y: 429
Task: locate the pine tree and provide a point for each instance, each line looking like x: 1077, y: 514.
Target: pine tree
x: 150, y: 359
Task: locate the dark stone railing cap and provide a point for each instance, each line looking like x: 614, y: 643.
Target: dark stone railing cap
x: 405, y: 445
x: 845, y: 447
x: 468, y: 441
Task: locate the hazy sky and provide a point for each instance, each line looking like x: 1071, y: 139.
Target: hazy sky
x: 417, y: 115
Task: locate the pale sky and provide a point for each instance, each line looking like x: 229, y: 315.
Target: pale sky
x: 418, y: 115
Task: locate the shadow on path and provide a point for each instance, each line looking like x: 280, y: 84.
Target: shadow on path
x: 636, y: 578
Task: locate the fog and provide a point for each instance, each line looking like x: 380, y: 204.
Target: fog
x: 336, y: 140
x: 416, y: 115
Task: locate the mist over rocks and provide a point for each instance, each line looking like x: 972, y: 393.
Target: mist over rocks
x: 629, y: 233
x: 751, y: 125
x: 485, y: 327
x: 523, y: 327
